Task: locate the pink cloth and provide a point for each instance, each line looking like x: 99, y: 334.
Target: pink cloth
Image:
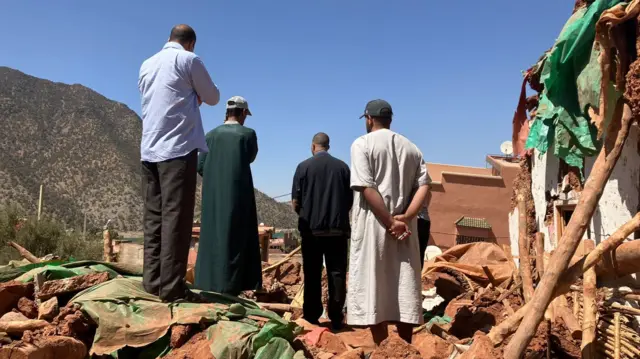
x: 313, y: 337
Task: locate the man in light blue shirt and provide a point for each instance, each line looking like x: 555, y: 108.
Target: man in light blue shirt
x: 173, y: 84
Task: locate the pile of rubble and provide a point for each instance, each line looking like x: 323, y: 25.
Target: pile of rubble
x: 32, y: 324
x: 53, y: 310
x: 474, y: 293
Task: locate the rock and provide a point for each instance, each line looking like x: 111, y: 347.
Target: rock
x: 352, y: 354
x: 482, y: 348
x: 180, y: 334
x: 395, y: 348
x: 11, y: 292
x: 45, y: 348
x: 49, y: 309
x: 331, y: 343
x: 28, y: 307
x: 54, y: 288
x: 19, y: 327
x: 13, y: 317
x: 324, y: 355
x: 431, y: 346
x: 74, y: 325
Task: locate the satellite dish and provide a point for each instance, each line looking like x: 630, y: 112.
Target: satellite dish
x: 506, y: 148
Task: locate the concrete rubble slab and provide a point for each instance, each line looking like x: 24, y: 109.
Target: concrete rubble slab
x: 54, y: 288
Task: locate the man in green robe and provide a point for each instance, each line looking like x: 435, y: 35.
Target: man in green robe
x: 229, y: 252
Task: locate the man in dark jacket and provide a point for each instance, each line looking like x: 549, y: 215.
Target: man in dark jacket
x: 322, y: 197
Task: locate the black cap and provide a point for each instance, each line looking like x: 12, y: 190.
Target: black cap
x: 378, y: 108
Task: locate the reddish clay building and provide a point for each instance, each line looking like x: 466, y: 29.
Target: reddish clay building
x: 471, y: 204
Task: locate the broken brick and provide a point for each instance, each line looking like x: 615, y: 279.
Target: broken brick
x: 11, y: 292
x: 180, y: 334
x: 45, y: 348
x: 54, y: 288
x: 28, y: 307
x: 49, y: 309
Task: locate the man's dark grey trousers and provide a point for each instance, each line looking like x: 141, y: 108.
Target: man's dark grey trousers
x: 168, y: 189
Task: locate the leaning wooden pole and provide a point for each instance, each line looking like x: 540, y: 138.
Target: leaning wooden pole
x: 540, y: 254
x: 40, y: 201
x: 283, y: 261
x: 523, y: 249
x: 24, y: 252
x: 590, y: 310
x: 617, y: 133
x: 612, y: 242
x: 627, y: 261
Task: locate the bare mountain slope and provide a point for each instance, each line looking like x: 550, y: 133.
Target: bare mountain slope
x: 84, y: 148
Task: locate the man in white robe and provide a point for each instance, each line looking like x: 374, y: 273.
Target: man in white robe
x: 390, y: 180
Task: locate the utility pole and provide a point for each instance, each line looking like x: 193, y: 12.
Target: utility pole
x: 40, y: 202
x: 84, y: 226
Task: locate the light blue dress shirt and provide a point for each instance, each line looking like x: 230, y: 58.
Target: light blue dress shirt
x: 170, y: 83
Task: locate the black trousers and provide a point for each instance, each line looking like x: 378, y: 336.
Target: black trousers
x: 169, y: 189
x: 335, y: 252
x: 424, y: 230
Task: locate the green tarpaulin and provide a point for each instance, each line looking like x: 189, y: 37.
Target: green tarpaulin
x: 571, y: 76
x: 132, y: 323
x: 127, y: 316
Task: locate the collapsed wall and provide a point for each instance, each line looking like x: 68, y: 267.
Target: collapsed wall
x: 619, y: 202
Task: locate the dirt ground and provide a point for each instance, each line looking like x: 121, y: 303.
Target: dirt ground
x: 195, y: 348
x: 431, y: 346
x: 395, y: 348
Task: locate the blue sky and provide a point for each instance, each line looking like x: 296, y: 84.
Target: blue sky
x: 451, y: 70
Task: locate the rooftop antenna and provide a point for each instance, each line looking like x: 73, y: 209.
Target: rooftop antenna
x: 507, y: 148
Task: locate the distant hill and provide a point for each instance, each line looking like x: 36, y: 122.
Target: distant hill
x: 85, y: 149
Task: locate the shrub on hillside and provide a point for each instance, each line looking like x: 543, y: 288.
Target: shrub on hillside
x: 43, y: 237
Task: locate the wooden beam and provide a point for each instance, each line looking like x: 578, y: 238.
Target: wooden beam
x: 24, y: 253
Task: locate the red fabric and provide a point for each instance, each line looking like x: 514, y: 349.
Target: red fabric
x: 520, y: 123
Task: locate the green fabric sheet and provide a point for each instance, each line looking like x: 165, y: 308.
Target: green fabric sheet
x: 571, y: 76
x: 128, y: 317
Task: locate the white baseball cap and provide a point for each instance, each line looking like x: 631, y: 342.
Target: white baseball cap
x: 238, y: 102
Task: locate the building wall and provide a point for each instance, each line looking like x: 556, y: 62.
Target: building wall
x: 619, y: 202
x: 620, y: 198
x: 469, y: 191
x: 544, y: 180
